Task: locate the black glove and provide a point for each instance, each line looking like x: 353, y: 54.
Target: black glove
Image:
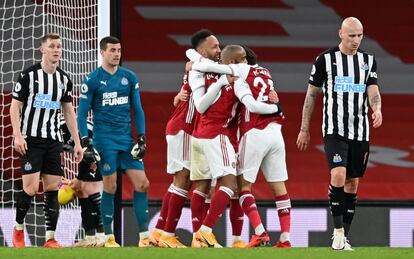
x: 279, y: 109
x: 90, y: 155
x: 138, y: 151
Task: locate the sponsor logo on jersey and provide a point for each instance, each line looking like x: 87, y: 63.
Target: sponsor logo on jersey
x: 45, y: 101
x: 27, y: 166
x: 124, y: 81
x: 373, y: 74
x: 337, y: 158
x: 112, y: 99
x: 103, y: 82
x: 346, y: 84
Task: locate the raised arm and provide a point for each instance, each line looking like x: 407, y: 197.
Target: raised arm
x: 374, y: 99
x: 304, y: 136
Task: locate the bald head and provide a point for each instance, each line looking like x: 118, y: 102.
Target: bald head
x: 351, y: 34
x: 351, y: 23
x: 233, y: 54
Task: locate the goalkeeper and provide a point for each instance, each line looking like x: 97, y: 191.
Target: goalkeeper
x: 87, y: 185
x: 112, y: 91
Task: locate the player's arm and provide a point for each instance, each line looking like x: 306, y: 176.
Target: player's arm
x: 206, y: 67
x: 244, y: 94
x: 317, y: 78
x: 19, y: 95
x: 70, y: 118
x: 138, y: 151
x: 204, y: 99
x: 374, y: 97
x: 85, y: 101
x: 182, y: 96
x: 308, y: 107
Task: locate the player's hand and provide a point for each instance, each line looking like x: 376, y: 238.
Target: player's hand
x: 78, y: 153
x: 303, y: 140
x: 20, y: 145
x: 231, y: 78
x: 182, y: 96
x: 90, y: 155
x: 138, y: 151
x: 273, y: 97
x: 189, y: 66
x: 376, y: 119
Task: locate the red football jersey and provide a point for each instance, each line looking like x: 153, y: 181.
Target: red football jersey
x: 261, y: 83
x: 184, y: 114
x: 216, y: 119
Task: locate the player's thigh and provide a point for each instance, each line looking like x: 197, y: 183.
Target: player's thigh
x: 32, y: 161
x: 274, y: 163
x: 250, y: 155
x: 220, y: 155
x: 109, y: 162
x: 178, y: 152
x: 358, y: 159
x: 336, y: 151
x: 199, y: 167
x: 52, y: 160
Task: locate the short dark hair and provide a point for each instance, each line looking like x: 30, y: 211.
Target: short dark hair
x: 250, y: 56
x: 199, y: 37
x: 106, y: 40
x: 50, y: 35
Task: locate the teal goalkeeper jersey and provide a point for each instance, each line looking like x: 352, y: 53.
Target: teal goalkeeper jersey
x: 111, y: 98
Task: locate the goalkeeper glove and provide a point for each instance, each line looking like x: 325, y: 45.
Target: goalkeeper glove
x: 138, y: 151
x: 90, y: 155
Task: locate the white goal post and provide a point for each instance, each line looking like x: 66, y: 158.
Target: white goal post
x: 81, y: 24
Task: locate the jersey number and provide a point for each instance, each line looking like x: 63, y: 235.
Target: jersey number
x: 259, y: 81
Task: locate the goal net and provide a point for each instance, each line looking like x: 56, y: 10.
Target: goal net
x: 22, y: 24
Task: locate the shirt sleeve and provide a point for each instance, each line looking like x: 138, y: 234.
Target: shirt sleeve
x: 139, y: 115
x: 85, y: 100
x: 212, y: 67
x: 241, y: 70
x: 318, y: 74
x: 202, y: 103
x: 372, y: 76
x: 196, y: 80
x: 21, y: 88
x: 67, y: 96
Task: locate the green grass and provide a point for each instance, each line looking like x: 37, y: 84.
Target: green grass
x: 225, y: 253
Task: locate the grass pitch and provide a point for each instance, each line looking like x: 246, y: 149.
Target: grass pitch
x: 225, y: 253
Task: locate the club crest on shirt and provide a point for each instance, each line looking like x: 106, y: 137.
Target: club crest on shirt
x: 27, y: 166
x: 364, y: 66
x: 124, y: 81
x: 61, y: 86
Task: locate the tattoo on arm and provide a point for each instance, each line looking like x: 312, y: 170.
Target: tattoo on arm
x: 308, y: 106
x: 375, y: 102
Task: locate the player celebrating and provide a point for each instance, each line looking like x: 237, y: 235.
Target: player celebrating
x: 111, y: 91
x: 213, y: 156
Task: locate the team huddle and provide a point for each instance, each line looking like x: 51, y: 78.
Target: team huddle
x: 226, y: 127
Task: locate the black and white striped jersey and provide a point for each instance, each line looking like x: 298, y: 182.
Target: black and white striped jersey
x: 344, y: 80
x: 41, y: 94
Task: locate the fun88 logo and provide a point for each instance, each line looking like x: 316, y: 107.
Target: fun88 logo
x: 346, y: 84
x: 45, y: 101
